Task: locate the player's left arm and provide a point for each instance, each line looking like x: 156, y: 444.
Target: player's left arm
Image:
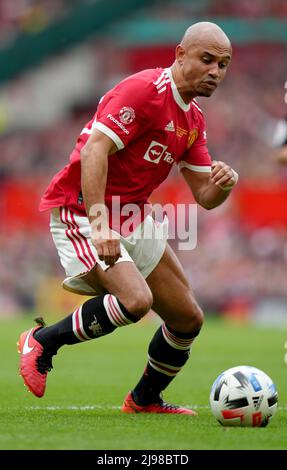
x: 210, y: 181
x: 281, y: 155
x: 210, y: 189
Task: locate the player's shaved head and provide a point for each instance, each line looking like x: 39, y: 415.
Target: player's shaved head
x: 204, y: 32
x: 202, y: 59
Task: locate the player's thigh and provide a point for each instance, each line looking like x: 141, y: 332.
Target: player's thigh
x: 173, y: 297
x: 125, y: 282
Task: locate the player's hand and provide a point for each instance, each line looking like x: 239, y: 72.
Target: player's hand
x: 223, y: 176
x: 107, y: 244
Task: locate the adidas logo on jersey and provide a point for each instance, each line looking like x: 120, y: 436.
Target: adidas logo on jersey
x: 170, y: 127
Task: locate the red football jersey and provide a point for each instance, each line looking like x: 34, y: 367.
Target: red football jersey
x: 152, y: 128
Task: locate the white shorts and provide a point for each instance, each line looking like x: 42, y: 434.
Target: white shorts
x: 71, y: 235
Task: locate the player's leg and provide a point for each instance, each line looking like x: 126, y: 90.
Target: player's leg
x: 173, y: 296
x: 97, y: 317
x: 169, y: 349
x: 125, y: 297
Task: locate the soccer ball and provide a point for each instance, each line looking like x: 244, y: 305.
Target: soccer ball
x: 243, y: 396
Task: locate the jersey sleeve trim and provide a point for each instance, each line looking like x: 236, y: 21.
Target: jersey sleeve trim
x: 110, y: 133
x: 200, y: 168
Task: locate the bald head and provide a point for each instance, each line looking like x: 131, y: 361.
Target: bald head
x: 205, y: 33
x: 201, y: 60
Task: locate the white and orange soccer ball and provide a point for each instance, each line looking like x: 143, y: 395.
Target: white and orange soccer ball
x: 243, y: 396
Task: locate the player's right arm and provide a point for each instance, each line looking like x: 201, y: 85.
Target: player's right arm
x: 122, y: 115
x: 94, y: 169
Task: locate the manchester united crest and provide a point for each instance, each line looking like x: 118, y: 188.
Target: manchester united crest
x: 192, y: 136
x: 127, y: 115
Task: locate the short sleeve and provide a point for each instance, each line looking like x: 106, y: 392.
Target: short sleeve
x: 197, y: 157
x: 126, y: 111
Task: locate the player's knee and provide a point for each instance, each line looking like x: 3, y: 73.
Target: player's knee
x: 188, y: 317
x: 140, y: 302
x: 196, y: 316
x: 193, y: 315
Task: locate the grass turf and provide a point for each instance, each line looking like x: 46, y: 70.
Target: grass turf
x: 81, y: 408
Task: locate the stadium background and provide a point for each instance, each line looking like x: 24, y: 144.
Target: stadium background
x: 52, y: 74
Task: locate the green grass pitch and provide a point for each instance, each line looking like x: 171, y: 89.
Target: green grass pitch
x: 81, y: 408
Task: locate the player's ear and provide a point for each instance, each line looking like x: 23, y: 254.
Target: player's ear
x: 179, y: 54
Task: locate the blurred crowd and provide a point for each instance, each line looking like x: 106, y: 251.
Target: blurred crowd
x: 225, y: 8
x: 245, y: 8
x: 29, y: 16
x: 237, y: 263
x: 233, y: 270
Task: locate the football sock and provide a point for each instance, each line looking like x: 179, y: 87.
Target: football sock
x: 167, y: 354
x: 96, y: 317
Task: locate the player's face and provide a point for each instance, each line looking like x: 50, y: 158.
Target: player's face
x: 204, y: 67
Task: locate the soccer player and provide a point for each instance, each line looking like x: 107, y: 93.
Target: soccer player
x: 143, y: 126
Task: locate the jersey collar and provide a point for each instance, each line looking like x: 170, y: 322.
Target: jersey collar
x: 178, y: 99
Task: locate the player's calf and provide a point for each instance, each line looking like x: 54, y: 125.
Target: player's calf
x: 96, y: 317
x: 168, y: 351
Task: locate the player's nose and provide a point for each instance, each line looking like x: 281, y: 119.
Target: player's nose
x: 214, y: 72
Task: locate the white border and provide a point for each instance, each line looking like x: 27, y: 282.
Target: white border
x: 199, y: 168
x: 110, y: 133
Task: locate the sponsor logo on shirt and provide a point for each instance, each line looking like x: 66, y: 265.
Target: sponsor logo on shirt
x: 118, y: 123
x: 156, y: 152
x: 127, y: 115
x: 180, y: 132
x: 191, y: 137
